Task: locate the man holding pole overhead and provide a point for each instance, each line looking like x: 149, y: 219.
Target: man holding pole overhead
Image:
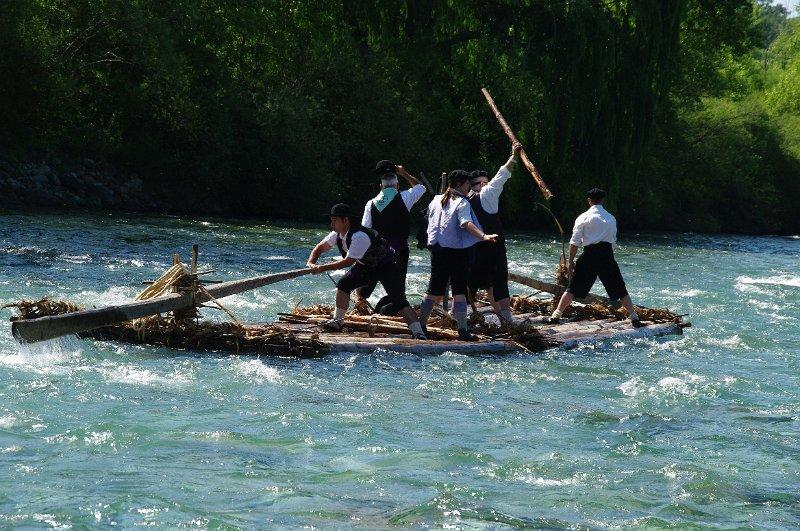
x: 389, y: 213
x: 489, y: 265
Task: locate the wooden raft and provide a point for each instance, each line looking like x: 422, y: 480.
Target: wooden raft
x: 564, y: 335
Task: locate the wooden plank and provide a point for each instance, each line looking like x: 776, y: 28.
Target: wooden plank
x: 43, y: 328
x: 554, y: 288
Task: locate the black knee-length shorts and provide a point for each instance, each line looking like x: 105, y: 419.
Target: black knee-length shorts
x: 448, y: 264
x: 597, y: 260
x: 389, y: 274
x: 489, y: 269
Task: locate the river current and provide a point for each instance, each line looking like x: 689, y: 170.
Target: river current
x: 695, y: 430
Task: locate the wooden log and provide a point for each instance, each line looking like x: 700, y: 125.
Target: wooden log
x: 388, y: 328
x: 33, y: 330
x: 554, y: 289
x: 513, y: 138
x: 193, y: 269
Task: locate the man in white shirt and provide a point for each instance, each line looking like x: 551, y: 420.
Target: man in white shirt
x: 596, y: 230
x: 372, y: 260
x: 489, y: 261
x: 389, y: 213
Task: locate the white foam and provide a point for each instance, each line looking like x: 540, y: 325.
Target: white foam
x: 111, y: 297
x: 277, y: 257
x: 683, y: 293
x: 53, y: 356
x: 7, y: 421
x: 686, y: 384
x: 255, y: 370
x: 130, y: 374
x: 77, y: 258
x: 97, y: 438
x: 733, y: 341
x: 777, y: 280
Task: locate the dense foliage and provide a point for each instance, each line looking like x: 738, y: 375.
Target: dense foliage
x: 688, y: 111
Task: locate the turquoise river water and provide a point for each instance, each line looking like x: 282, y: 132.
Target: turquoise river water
x: 694, y: 430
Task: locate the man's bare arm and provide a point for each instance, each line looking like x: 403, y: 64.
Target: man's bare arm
x: 332, y: 266
x: 316, y: 252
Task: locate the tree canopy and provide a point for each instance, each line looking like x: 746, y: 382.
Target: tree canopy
x: 686, y: 110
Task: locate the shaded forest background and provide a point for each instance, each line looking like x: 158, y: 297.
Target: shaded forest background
x: 687, y: 111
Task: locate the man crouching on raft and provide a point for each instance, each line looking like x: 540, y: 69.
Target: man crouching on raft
x: 452, y: 230
x: 596, y: 230
x: 371, y: 259
x: 489, y: 267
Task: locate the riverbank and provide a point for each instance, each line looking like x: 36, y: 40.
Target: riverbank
x: 73, y: 184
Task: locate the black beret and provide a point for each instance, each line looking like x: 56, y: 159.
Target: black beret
x: 384, y: 166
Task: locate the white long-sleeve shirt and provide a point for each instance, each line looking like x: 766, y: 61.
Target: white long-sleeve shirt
x: 490, y: 194
x: 594, y: 226
x: 410, y: 197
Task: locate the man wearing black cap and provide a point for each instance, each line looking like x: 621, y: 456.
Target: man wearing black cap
x: 489, y: 264
x: 596, y: 230
x: 389, y: 214
x: 372, y: 260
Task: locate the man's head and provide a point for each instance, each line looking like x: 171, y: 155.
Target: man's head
x: 478, y: 179
x: 595, y: 196
x: 340, y: 218
x: 386, y: 171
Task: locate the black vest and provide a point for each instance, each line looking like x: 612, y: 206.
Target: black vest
x: 490, y: 223
x: 378, y: 250
x: 394, y: 221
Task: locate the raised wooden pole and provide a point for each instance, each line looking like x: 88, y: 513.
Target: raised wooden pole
x: 195, y: 251
x: 511, y: 136
x: 33, y: 330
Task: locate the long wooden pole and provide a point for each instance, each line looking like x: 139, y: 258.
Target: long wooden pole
x: 555, y: 289
x: 42, y: 328
x: 511, y: 136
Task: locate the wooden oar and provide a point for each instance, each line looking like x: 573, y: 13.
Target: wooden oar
x: 33, y: 330
x: 511, y: 136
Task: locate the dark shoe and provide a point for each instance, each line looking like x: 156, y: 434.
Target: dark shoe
x: 333, y: 325
x: 466, y: 335
x: 421, y: 337
x: 551, y: 320
x: 637, y: 323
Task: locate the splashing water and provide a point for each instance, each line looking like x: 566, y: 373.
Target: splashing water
x: 698, y: 430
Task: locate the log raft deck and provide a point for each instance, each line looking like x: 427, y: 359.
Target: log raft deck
x: 566, y: 335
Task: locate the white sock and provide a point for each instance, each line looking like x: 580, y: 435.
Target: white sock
x: 556, y: 314
x: 416, y: 328
x: 340, y: 313
x: 507, y: 316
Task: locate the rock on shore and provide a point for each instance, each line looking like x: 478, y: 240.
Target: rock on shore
x: 83, y: 184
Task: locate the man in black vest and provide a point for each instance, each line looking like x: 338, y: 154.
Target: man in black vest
x: 489, y: 267
x: 372, y: 260
x: 389, y: 214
